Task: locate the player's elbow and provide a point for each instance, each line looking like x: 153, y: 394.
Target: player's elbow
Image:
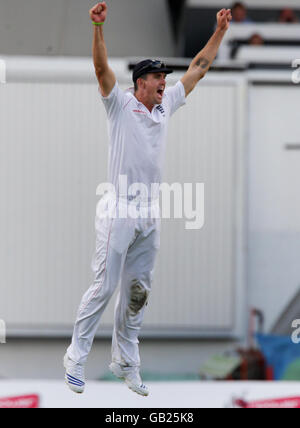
x: 199, y: 76
x: 100, y: 71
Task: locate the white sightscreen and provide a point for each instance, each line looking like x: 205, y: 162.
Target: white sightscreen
x: 53, y: 154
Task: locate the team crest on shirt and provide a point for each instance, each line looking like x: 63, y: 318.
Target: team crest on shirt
x: 161, y: 110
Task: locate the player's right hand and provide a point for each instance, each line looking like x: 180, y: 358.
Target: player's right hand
x: 98, y: 13
x: 223, y: 19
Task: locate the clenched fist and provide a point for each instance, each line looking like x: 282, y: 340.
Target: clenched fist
x: 223, y: 19
x: 98, y: 13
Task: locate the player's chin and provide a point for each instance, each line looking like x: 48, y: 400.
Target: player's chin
x: 159, y: 98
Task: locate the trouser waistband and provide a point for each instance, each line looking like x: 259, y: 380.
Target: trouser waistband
x: 136, y: 200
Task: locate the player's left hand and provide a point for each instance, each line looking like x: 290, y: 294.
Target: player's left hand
x: 223, y: 19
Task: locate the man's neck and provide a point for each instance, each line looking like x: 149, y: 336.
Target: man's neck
x: 144, y: 101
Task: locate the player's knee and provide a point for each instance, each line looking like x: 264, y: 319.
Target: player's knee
x: 104, y: 293
x: 138, y: 297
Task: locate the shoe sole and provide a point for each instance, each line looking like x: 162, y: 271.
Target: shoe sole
x: 115, y: 371
x: 136, y: 389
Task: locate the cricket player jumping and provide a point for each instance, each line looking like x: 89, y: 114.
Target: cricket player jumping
x: 126, y: 248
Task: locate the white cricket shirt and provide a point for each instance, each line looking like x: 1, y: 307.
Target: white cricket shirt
x: 137, y: 137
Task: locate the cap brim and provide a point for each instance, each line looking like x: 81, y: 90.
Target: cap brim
x: 154, y: 70
x: 162, y: 70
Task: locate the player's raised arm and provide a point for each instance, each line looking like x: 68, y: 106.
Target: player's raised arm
x: 104, y: 73
x: 203, y: 61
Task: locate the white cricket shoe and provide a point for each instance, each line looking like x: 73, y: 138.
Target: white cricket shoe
x: 74, y: 375
x: 132, y: 378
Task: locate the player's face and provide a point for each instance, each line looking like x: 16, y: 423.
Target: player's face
x: 155, y: 87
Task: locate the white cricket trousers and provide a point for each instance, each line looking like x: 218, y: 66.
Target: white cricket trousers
x: 125, y: 254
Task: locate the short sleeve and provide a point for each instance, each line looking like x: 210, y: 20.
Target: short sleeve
x: 175, y: 97
x: 114, y: 102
